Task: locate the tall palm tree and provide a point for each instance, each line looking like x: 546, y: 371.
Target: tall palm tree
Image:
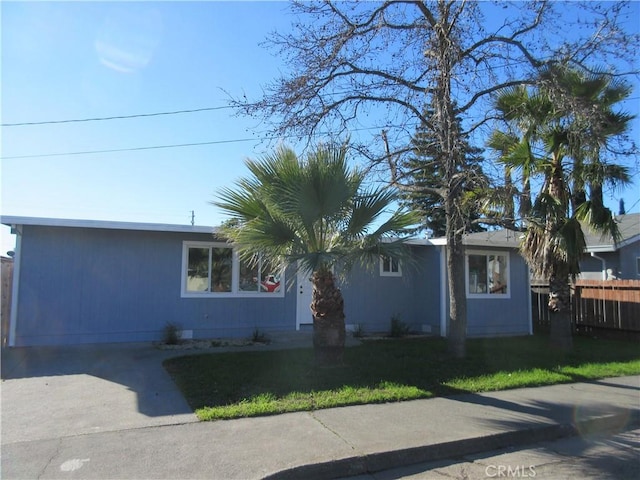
x: 567, y: 121
x: 525, y: 114
x: 314, y: 214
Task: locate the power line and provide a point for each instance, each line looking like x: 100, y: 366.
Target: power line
x: 175, y: 145
x: 119, y: 117
x: 132, y: 149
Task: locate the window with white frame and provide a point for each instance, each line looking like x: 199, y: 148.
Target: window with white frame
x: 215, y: 269
x: 389, y: 267
x: 487, y: 274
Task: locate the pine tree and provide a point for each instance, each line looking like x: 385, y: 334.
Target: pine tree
x: 421, y: 177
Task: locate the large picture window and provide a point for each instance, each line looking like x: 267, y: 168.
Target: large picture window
x: 214, y: 269
x: 487, y: 274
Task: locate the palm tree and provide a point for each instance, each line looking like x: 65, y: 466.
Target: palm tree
x: 314, y: 214
x: 568, y: 120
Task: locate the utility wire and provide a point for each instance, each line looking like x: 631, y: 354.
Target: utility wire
x: 119, y: 117
x: 176, y: 145
x: 133, y: 149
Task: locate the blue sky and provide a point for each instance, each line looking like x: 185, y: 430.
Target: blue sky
x: 82, y: 60
x: 88, y: 59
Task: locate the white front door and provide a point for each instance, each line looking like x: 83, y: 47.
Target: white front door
x: 304, y: 292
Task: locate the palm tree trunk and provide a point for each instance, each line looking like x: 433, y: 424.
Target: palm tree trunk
x: 559, y: 290
x: 560, y: 335
x: 327, y: 307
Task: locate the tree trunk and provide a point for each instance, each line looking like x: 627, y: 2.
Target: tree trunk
x: 457, y: 298
x: 559, y: 290
x: 327, y: 307
x: 560, y: 335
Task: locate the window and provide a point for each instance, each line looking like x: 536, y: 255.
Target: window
x: 637, y: 265
x: 487, y: 275
x: 258, y: 277
x: 389, y: 267
x: 214, y: 269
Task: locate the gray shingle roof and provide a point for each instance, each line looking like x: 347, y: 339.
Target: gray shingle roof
x: 629, y: 226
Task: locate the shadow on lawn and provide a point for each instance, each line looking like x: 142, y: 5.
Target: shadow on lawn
x: 422, y: 364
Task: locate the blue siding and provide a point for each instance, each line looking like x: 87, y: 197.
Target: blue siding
x: 90, y: 285
x: 94, y: 285
x: 506, y: 316
x: 371, y: 300
x: 629, y: 255
x: 591, y: 267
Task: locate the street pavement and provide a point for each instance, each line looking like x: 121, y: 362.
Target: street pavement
x: 113, y: 412
x: 609, y: 456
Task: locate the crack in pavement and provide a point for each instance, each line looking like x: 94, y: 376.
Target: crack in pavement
x: 313, y: 415
x: 55, y: 454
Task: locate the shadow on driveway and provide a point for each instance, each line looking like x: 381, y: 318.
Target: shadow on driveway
x: 49, y: 392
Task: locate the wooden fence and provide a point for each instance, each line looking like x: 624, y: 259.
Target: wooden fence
x: 602, y: 305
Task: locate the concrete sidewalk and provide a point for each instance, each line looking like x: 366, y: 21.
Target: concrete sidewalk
x: 336, y: 442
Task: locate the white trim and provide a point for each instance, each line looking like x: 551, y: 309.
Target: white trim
x: 600, y: 249
x: 15, y: 291
x: 486, y: 253
x: 530, y: 310
x: 235, y: 275
x: 443, y: 290
x: 628, y: 241
x: 108, y: 225
x: 303, y: 310
x: 390, y: 273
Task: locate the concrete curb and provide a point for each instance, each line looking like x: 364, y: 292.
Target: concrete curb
x: 363, y: 464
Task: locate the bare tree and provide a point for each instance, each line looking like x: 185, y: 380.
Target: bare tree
x: 358, y: 67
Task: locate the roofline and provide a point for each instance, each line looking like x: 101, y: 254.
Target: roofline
x: 13, y: 221
x: 423, y: 241
x: 628, y: 241
x: 613, y: 247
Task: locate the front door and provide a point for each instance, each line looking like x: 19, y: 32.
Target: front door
x: 304, y: 290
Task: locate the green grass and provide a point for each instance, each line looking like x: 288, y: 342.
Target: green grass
x: 244, y: 384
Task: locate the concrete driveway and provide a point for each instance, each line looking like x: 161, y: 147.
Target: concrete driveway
x: 54, y: 392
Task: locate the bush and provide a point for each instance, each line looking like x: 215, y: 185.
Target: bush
x: 398, y: 327
x: 171, y: 334
x: 258, y: 336
x: 358, y: 331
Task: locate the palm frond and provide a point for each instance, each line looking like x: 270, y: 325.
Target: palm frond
x: 598, y: 219
x: 312, y: 213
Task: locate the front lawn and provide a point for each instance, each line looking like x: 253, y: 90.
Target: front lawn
x: 242, y: 384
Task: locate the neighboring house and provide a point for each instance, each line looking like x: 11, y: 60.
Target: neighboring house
x: 79, y: 281
x: 608, y: 260
x: 604, y: 259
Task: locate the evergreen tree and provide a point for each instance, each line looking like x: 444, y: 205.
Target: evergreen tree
x: 421, y: 178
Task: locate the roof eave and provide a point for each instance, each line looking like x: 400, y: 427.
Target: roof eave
x: 13, y: 221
